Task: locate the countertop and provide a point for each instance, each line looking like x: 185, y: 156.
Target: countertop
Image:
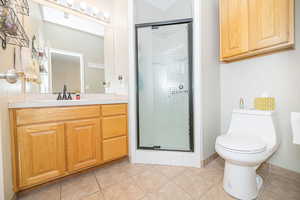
x: 36, y: 103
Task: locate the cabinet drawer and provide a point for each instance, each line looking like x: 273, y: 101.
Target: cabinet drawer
x: 115, y: 109
x: 114, y: 148
x: 114, y: 126
x: 39, y: 115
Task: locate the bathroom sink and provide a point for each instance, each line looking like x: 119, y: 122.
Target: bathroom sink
x: 47, y: 102
x: 295, y: 122
x: 57, y: 101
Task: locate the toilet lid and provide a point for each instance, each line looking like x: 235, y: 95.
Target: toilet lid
x: 243, y: 143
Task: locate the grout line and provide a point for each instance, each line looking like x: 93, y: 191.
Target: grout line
x: 99, y: 186
x: 60, y: 190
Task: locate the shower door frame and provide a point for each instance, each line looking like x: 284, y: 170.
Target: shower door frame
x: 189, y: 22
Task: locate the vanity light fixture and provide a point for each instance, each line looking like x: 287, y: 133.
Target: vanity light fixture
x: 83, y: 8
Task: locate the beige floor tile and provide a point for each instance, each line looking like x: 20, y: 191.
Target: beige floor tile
x: 79, y: 186
x: 125, y: 181
x: 218, y: 163
x: 49, y: 192
x: 194, y: 184
x: 136, y: 169
x: 285, y: 173
x: 150, y: 181
x: 268, y: 194
x: 172, y: 192
x: 95, y: 196
x: 170, y: 171
x: 212, y: 175
x: 125, y: 190
x: 107, y: 178
x: 150, y: 196
x: 217, y: 193
x: 279, y: 187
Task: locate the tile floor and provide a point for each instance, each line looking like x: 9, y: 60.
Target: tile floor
x: 124, y: 181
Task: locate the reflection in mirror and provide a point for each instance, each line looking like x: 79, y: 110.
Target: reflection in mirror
x: 66, y: 69
x: 72, y: 49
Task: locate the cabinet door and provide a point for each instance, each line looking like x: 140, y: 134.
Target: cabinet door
x: 41, y: 153
x: 83, y: 142
x: 233, y: 27
x: 269, y: 22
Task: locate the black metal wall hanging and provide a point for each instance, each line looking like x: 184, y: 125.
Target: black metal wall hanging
x: 11, y: 30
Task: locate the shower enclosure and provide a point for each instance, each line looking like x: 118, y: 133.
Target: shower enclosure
x: 165, y: 86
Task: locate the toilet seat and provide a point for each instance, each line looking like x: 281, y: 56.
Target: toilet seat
x: 241, y: 143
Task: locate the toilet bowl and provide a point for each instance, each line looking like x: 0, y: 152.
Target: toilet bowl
x: 250, y: 140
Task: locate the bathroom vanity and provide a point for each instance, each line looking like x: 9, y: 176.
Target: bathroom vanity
x: 56, y: 141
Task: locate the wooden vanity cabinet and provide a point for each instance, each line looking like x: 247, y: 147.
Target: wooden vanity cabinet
x: 254, y: 27
x: 49, y: 143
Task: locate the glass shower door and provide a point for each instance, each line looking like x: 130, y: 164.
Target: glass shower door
x: 164, y: 96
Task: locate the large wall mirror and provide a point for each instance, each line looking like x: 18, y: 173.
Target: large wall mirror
x: 70, y: 50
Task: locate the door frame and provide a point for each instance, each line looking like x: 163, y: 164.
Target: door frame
x: 189, y: 22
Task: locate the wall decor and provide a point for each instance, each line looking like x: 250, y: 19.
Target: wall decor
x: 11, y: 30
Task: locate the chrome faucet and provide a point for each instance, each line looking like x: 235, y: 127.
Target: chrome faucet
x: 64, y: 95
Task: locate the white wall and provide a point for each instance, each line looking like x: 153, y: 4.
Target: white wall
x: 157, y: 10
x: 121, y: 48
x: 210, y: 78
x: 278, y: 75
x: 1, y: 166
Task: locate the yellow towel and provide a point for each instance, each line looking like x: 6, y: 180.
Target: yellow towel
x: 264, y: 103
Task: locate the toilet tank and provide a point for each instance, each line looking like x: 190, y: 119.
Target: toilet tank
x: 254, y: 122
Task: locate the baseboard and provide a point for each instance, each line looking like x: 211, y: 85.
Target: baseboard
x: 209, y: 159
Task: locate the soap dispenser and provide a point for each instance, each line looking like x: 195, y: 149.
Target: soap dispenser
x: 242, y: 104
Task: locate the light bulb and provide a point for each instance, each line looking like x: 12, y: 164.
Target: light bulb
x: 106, y: 15
x: 95, y: 11
x: 83, y: 6
x: 70, y: 3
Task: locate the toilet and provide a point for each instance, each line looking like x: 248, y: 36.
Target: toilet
x: 250, y: 140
